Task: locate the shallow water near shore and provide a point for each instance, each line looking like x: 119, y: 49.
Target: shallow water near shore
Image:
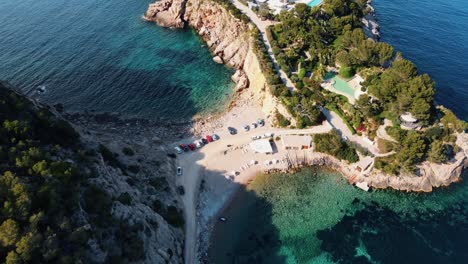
x: 100, y: 55
x: 315, y: 217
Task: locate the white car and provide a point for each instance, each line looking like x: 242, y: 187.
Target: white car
x: 261, y: 122
x: 256, y: 137
x: 246, y: 128
x: 268, y: 135
x: 215, y: 137
x: 254, y: 125
x: 179, y: 171
x: 178, y: 150
x: 198, y: 144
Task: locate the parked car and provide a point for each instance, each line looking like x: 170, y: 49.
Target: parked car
x: 215, y: 137
x: 246, y: 128
x: 232, y: 130
x: 256, y: 137
x: 181, y: 190
x: 191, y: 147
x: 204, y: 141
x: 254, y: 125
x: 261, y: 122
x: 209, y: 138
x: 178, y: 150
x: 268, y: 135
x: 179, y: 171
x: 198, y: 144
x: 185, y: 148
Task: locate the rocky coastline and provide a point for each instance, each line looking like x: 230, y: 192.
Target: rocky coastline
x: 229, y: 40
x: 370, y: 25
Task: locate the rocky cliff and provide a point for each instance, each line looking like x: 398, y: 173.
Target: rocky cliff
x: 117, y: 189
x: 227, y: 37
x: 431, y: 175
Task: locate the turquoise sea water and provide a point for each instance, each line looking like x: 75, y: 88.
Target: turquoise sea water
x: 316, y: 217
x: 100, y: 55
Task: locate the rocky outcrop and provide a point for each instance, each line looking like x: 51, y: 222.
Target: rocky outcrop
x: 167, y: 13
x: 141, y: 194
x: 370, y: 26
x: 226, y: 36
x: 431, y: 175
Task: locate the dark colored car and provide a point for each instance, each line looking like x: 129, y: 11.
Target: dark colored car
x: 185, y: 148
x: 209, y: 138
x: 204, y: 141
x: 232, y: 130
x: 181, y: 190
x: 191, y: 147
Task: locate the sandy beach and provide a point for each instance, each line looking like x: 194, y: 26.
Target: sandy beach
x: 211, y: 167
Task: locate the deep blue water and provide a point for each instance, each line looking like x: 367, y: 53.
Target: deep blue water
x: 100, y: 55
x: 434, y: 35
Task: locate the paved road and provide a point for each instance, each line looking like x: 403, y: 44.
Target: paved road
x: 262, y: 25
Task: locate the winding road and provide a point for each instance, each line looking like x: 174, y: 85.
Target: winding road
x: 262, y: 25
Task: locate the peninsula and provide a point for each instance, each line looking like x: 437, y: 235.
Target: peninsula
x: 314, y: 87
x: 317, y: 75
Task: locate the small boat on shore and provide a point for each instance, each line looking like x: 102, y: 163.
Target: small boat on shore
x: 223, y: 219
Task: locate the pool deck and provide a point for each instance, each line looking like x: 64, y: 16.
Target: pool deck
x: 353, y: 83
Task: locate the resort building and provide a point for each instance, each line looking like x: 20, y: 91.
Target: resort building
x: 408, y: 121
x: 262, y: 146
x: 296, y: 142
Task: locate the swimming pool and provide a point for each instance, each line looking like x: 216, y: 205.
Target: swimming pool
x: 340, y: 85
x: 314, y: 3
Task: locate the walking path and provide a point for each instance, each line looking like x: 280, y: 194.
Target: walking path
x: 263, y: 25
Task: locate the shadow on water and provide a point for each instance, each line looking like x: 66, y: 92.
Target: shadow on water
x: 248, y: 235
x: 377, y: 234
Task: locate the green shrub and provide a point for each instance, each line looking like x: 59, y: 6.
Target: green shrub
x: 125, y: 198
x: 347, y: 72
x: 332, y: 144
x: 128, y: 151
x: 302, y: 73
x: 109, y: 157
x: 281, y: 120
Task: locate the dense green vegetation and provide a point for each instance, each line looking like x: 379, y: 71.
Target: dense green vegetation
x: 50, y: 208
x: 332, y: 144
x: 231, y: 8
x: 308, y: 40
x: 39, y: 186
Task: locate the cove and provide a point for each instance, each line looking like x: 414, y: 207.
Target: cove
x: 101, y: 56
x: 315, y: 216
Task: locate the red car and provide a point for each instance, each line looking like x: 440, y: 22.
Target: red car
x: 209, y: 138
x: 191, y: 147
